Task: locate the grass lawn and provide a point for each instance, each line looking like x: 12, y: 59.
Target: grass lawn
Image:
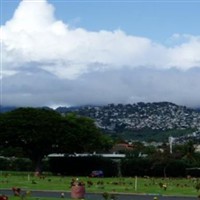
x: 26, y: 181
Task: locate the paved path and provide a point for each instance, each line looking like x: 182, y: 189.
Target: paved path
x: 97, y: 196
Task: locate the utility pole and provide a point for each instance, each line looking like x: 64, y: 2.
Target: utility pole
x: 171, y: 139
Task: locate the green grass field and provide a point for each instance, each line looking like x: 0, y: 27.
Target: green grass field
x: 28, y: 182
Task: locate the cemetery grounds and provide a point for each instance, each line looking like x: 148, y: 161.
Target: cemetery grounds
x: 131, y: 185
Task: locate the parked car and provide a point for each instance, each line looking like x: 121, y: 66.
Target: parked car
x: 97, y: 173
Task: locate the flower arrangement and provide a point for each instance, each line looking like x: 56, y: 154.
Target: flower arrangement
x: 77, y: 182
x: 16, y: 191
x: 77, y: 189
x: 3, y: 197
x: 108, y: 196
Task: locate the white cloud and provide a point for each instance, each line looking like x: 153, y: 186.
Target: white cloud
x: 187, y: 55
x: 34, y: 35
x: 35, y: 39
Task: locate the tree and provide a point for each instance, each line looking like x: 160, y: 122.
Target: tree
x: 40, y: 132
x: 34, y: 130
x: 83, y: 135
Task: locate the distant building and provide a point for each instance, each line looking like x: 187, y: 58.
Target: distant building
x: 105, y: 155
x: 122, y: 147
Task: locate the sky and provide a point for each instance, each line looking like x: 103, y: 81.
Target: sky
x: 71, y: 53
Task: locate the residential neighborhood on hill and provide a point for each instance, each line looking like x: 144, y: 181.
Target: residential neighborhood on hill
x: 135, y: 118
x: 160, y: 116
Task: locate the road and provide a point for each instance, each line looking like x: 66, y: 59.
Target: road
x: 98, y: 196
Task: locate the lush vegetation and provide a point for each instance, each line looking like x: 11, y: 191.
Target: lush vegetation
x: 150, y: 135
x: 35, y: 133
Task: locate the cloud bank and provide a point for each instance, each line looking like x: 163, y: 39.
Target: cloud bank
x: 47, y: 62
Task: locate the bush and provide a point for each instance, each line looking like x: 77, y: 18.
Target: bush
x: 136, y: 167
x: 15, y: 164
x: 4, y: 164
x: 22, y: 164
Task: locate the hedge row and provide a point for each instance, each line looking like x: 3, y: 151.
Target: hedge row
x: 83, y: 166
x: 19, y: 164
x: 146, y: 167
